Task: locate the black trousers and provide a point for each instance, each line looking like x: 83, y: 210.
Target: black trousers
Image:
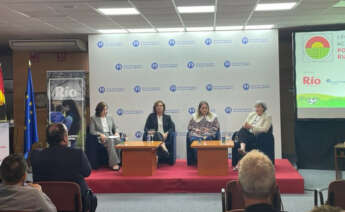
x: 244, y: 136
x: 162, y: 155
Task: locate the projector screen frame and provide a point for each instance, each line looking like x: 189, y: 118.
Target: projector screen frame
x: 293, y: 44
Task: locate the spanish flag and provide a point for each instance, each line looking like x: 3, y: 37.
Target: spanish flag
x: 2, y: 90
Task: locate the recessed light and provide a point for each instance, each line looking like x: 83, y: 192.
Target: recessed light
x: 119, y: 11
x: 268, y: 26
x: 198, y: 29
x: 178, y: 29
x: 275, y: 6
x: 142, y: 30
x: 228, y: 28
x: 112, y: 31
x: 196, y: 9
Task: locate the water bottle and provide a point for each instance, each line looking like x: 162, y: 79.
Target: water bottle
x: 223, y: 140
x: 148, y: 137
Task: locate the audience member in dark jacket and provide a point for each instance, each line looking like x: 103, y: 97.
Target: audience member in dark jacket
x: 62, y: 163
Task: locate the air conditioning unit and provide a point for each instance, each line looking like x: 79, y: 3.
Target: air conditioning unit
x: 59, y: 45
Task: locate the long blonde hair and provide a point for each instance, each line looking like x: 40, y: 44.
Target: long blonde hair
x: 198, y: 115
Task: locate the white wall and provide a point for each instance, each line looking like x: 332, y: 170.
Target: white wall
x: 230, y: 70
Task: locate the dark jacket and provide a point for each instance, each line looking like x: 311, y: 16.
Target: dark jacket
x: 152, y: 123
x: 260, y: 208
x: 60, y: 163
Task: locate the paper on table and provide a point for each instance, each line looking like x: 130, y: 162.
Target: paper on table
x: 113, y: 136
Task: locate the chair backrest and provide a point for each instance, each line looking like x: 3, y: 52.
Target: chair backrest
x: 235, y: 200
x: 336, y: 193
x: 66, y: 196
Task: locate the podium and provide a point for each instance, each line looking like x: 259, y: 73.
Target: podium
x: 139, y: 157
x: 212, y: 157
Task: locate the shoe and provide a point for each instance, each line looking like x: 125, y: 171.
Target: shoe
x: 235, y: 169
x: 242, y: 152
x: 118, y: 169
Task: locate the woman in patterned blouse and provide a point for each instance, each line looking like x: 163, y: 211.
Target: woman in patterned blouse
x: 204, y: 124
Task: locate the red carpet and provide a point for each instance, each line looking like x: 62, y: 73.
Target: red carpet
x: 183, y: 179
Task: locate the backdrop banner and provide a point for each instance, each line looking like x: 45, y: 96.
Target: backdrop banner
x: 66, y: 95
x: 230, y: 70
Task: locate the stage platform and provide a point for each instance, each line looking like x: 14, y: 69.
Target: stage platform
x: 181, y: 178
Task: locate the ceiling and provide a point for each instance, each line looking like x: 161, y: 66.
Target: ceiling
x: 35, y: 19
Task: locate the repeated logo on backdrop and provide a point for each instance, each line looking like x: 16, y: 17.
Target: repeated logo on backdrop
x: 100, y: 44
x: 135, y: 43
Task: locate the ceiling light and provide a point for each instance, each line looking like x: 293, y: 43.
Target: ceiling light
x: 112, y: 31
x: 270, y: 26
x: 142, y: 30
x: 119, y: 11
x: 179, y: 29
x: 198, y: 29
x: 196, y: 9
x: 275, y: 6
x: 228, y: 28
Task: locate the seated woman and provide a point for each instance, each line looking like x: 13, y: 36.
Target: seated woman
x: 257, y: 122
x: 204, y: 124
x: 161, y: 127
x: 104, y: 126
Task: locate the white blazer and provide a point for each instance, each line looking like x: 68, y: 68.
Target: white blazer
x: 261, y: 123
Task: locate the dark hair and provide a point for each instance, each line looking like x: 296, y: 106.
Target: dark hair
x: 56, y: 133
x: 99, y: 108
x: 200, y: 105
x: 74, y: 113
x: 155, y: 105
x: 12, y: 169
x: 59, y: 108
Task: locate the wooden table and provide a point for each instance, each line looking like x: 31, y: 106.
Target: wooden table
x: 138, y: 157
x: 339, y: 153
x: 212, y: 157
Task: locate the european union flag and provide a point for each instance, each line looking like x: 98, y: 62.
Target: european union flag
x: 30, y: 128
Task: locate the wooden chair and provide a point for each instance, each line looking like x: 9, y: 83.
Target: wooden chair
x: 66, y: 196
x: 233, y: 198
x: 336, y: 194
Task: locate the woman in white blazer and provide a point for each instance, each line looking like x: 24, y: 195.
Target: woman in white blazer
x: 103, y: 126
x: 257, y: 122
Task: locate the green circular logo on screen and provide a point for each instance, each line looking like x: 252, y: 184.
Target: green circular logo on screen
x: 317, y: 47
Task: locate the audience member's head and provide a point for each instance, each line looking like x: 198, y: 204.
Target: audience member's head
x: 257, y: 177
x: 326, y: 208
x: 13, y: 170
x: 59, y: 108
x: 57, y: 134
